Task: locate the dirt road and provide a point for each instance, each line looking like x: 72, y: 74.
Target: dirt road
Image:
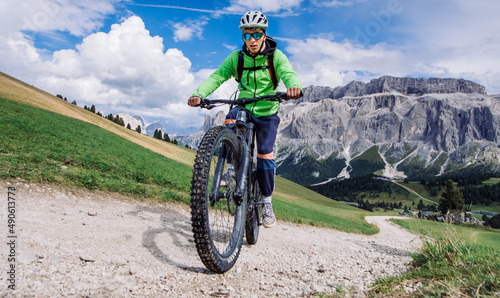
x: 80, y: 243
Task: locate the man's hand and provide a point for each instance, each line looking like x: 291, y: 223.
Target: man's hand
x: 194, y: 101
x: 293, y: 93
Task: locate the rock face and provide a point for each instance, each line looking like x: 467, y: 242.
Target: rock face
x: 210, y: 122
x: 414, y: 128
x: 134, y: 121
x: 388, y: 84
x: 150, y: 129
x: 194, y: 140
x: 400, y: 127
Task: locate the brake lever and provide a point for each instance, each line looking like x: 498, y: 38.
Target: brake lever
x: 205, y: 105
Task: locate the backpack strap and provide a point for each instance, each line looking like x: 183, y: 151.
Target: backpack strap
x: 269, y: 66
x: 239, y: 69
x: 272, y: 70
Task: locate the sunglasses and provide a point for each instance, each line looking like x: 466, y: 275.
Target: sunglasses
x: 257, y: 36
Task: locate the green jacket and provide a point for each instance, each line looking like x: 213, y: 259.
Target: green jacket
x: 253, y: 83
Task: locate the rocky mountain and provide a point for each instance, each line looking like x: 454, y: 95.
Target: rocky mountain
x: 134, y: 121
x: 194, y: 140
x: 401, y: 127
x: 397, y: 127
x: 150, y: 129
x: 404, y: 86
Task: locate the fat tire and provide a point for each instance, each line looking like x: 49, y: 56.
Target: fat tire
x: 215, y: 260
x: 254, y: 211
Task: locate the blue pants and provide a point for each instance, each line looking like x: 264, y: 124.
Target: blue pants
x: 266, y: 129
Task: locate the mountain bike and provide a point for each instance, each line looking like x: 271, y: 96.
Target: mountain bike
x: 224, y: 207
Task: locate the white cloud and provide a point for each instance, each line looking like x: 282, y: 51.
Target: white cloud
x: 437, y: 40
x: 324, y: 62
x: 263, y: 5
x: 230, y: 47
x: 331, y: 3
x: 77, y: 17
x: 126, y: 66
x: 458, y: 40
x: 125, y: 69
x: 189, y: 29
x: 47, y: 17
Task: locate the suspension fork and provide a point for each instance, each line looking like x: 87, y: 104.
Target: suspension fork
x: 245, y: 162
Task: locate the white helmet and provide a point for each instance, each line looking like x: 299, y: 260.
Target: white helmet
x: 253, y: 19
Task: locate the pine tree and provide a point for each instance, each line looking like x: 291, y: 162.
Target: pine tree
x: 166, y: 138
x: 129, y: 127
x: 420, y: 205
x: 92, y: 109
x: 157, y: 134
x: 138, y: 129
x: 451, y: 199
x: 119, y: 121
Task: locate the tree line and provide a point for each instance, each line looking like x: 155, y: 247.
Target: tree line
x: 158, y: 134
x: 471, y: 186
x: 349, y: 190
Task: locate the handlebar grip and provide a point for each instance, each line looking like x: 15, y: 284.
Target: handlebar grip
x: 205, y: 104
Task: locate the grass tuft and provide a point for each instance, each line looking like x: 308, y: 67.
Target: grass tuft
x: 446, y: 265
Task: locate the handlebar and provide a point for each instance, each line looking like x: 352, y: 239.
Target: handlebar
x: 210, y: 103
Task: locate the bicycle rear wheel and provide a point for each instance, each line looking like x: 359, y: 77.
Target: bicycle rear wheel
x: 218, y: 219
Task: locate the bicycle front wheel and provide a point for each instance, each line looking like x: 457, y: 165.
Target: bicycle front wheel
x: 217, y: 215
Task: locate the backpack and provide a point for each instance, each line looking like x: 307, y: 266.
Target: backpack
x: 269, y: 66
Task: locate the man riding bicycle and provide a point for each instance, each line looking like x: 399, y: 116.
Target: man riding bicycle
x: 258, y: 68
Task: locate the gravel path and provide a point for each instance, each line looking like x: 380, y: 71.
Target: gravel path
x: 79, y: 243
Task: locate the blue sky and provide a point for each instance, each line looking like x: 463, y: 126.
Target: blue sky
x: 146, y: 57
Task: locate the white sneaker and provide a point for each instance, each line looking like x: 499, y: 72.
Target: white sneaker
x: 268, y: 218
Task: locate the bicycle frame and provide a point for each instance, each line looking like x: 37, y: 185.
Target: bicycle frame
x: 245, y: 125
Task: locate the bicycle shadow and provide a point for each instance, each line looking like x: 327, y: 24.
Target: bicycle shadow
x: 175, y: 229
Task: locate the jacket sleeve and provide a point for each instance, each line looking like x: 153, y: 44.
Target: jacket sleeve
x: 225, y: 71
x: 284, y: 71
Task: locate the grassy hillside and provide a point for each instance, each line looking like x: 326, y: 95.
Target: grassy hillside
x: 47, y: 140
x: 46, y: 147
x: 13, y: 89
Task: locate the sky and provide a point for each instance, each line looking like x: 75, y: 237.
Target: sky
x: 146, y: 57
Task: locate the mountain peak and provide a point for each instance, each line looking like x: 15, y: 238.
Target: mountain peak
x: 388, y: 84
x: 421, y: 86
